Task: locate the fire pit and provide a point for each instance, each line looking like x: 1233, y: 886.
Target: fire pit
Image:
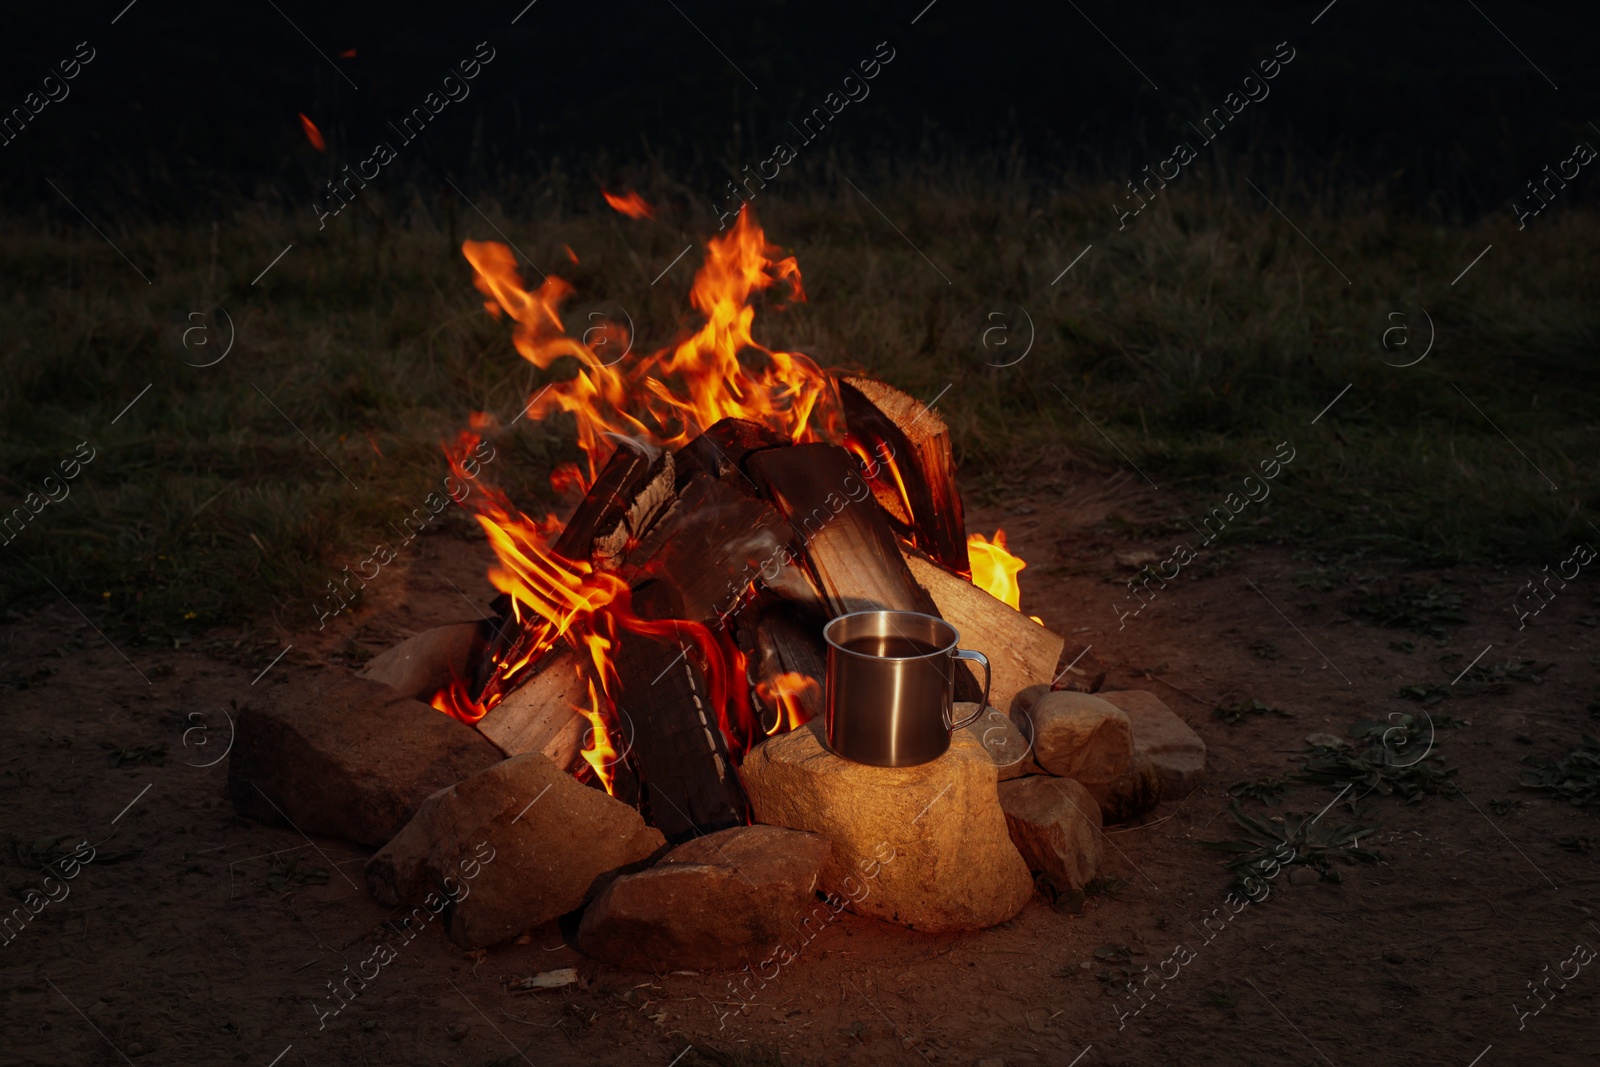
x: 634, y: 732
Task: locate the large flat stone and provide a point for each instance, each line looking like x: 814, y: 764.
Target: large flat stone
x: 922, y: 846
x: 1079, y: 736
x: 1166, y: 740
x: 346, y: 757
x: 548, y: 839
x: 424, y: 663
x: 1055, y: 824
x: 712, y: 903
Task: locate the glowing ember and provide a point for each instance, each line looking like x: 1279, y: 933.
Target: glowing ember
x: 313, y: 134
x: 630, y: 204
x: 994, y: 569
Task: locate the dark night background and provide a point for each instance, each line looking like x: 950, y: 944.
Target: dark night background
x: 190, y: 106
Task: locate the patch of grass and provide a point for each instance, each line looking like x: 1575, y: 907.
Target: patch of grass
x: 1306, y: 840
x: 1266, y: 788
x: 1236, y: 711
x: 1424, y: 610
x: 1574, y: 777
x: 1493, y: 677
x: 1391, y: 758
x: 234, y: 493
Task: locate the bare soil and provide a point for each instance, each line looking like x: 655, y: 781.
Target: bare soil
x: 197, y: 937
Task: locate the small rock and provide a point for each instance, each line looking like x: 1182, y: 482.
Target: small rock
x: 1394, y: 957
x: 1024, y: 701
x: 923, y: 846
x: 1002, y: 739
x: 1327, y: 740
x: 424, y: 663
x: 1055, y: 824
x: 1136, y: 559
x: 135, y: 1048
x: 1165, y: 739
x: 1136, y: 791
x: 456, y: 1031
x: 715, y: 902
x: 346, y: 757
x: 1303, y: 876
x: 1079, y: 736
x: 563, y: 976
x: 521, y: 843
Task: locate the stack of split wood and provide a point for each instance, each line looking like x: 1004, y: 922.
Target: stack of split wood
x: 761, y: 541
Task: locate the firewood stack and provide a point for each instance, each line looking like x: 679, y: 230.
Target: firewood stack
x: 738, y: 548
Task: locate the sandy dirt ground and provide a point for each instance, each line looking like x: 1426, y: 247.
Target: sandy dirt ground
x: 196, y: 937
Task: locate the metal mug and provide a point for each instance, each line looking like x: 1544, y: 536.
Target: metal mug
x: 890, y: 698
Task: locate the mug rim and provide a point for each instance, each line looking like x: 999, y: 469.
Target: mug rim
x: 955, y: 634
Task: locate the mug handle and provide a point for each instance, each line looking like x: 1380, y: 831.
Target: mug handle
x: 975, y: 657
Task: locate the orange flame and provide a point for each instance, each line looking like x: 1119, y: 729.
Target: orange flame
x: 664, y: 398
x: 994, y: 569
x: 313, y: 134
x: 600, y: 754
x: 630, y: 204
x: 671, y: 395
x: 786, y: 694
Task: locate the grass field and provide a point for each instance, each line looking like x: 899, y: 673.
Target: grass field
x: 1196, y: 339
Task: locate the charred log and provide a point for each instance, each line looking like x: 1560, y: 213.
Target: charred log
x: 688, y: 784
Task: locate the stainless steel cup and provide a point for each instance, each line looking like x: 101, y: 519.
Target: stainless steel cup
x: 890, y: 690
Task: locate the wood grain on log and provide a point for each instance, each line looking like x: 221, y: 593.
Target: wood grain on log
x: 1021, y: 652
x: 713, y: 543
x: 689, y: 784
x: 541, y: 715
x: 918, y: 447
x: 845, y: 537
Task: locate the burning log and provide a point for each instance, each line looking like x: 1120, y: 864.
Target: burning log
x: 848, y: 545
x: 789, y: 647
x: 678, y: 744
x: 847, y: 542
x: 914, y: 444
x: 541, y: 715
x: 608, y: 502
x: 1021, y: 652
x: 710, y: 547
x: 722, y: 450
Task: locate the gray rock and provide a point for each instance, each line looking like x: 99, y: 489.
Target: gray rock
x: 712, y: 903
x: 1165, y: 740
x: 516, y: 845
x: 346, y: 757
x: 1055, y: 824
x: 1079, y: 736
